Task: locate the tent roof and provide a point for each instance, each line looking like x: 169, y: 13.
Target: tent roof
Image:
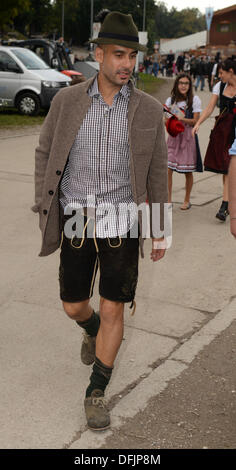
x: 192, y: 41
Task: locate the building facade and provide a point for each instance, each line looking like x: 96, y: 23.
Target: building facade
x: 223, y: 26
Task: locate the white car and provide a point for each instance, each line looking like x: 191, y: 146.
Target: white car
x: 26, y: 81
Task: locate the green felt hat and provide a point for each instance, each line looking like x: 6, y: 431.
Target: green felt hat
x: 118, y: 28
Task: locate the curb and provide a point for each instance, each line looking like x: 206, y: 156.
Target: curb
x: 159, y: 379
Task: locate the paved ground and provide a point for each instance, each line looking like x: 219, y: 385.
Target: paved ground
x: 196, y: 410
x: 172, y: 385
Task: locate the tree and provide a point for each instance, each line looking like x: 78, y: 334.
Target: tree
x: 163, y: 21
x: 71, y: 18
x: 174, y: 23
x: 80, y: 26
x: 9, y: 9
x: 45, y: 16
x: 190, y: 21
x: 37, y: 19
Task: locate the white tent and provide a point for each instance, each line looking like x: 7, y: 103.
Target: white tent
x: 193, y: 41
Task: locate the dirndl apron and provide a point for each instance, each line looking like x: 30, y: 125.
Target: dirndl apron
x: 184, y: 154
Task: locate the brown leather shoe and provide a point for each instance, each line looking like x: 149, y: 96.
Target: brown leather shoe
x: 88, y: 349
x: 97, y: 414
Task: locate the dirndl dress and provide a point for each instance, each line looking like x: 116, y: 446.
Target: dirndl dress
x: 183, y: 150
x: 222, y: 136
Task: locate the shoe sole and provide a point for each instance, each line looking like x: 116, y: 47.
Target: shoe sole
x: 222, y: 219
x: 99, y: 429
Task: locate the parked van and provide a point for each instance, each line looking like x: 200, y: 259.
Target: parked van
x: 26, y: 81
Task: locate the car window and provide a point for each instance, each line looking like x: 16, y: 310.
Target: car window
x: 5, y: 59
x: 30, y: 60
x: 41, y: 52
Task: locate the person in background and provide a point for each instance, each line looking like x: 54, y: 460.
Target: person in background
x: 210, y: 66
x: 169, y: 63
x: 175, y: 70
x: 163, y: 66
x: 147, y: 64
x: 232, y: 187
x: 186, y: 63
x: 215, y: 72
x: 182, y: 150
x: 180, y: 62
x: 141, y: 68
x: 193, y: 62
x: 200, y: 73
x: 155, y: 62
x: 217, y: 155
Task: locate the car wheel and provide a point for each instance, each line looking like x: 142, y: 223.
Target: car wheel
x: 28, y: 104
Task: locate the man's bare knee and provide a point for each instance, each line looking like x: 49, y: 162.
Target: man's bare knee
x: 111, y: 311
x: 79, y: 311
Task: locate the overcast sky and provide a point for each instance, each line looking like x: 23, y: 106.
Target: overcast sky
x: 201, y: 5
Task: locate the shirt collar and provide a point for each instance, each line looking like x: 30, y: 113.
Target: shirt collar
x: 94, y: 91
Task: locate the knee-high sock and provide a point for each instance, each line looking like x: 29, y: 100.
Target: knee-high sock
x: 99, y: 378
x: 91, y: 326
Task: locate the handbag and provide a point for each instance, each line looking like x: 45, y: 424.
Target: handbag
x: 173, y: 125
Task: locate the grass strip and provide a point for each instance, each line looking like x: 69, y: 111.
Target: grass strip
x: 9, y: 117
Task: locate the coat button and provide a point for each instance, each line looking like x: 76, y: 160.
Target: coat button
x: 58, y: 172
x: 51, y: 192
x: 45, y: 211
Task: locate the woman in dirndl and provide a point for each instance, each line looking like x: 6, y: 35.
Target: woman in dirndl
x: 217, y: 156
x: 183, y: 150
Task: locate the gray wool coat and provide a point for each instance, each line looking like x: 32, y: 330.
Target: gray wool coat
x: 148, y: 154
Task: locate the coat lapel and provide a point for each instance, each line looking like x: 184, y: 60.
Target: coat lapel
x: 73, y: 117
x: 133, y: 105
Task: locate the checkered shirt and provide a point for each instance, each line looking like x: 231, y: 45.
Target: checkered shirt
x: 97, y: 173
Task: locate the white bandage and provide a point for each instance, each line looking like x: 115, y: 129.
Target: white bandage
x: 161, y: 245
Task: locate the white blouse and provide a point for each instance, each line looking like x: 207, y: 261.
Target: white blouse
x: 216, y: 88
x: 197, y: 104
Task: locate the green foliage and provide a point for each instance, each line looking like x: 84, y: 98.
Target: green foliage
x: 36, y: 19
x: 174, y: 23
x: 129, y: 6
x: 9, y: 9
x: 44, y: 16
x: 72, y: 18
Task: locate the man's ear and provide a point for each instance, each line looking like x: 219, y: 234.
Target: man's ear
x: 99, y: 54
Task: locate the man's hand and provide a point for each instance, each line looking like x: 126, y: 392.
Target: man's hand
x: 158, y: 249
